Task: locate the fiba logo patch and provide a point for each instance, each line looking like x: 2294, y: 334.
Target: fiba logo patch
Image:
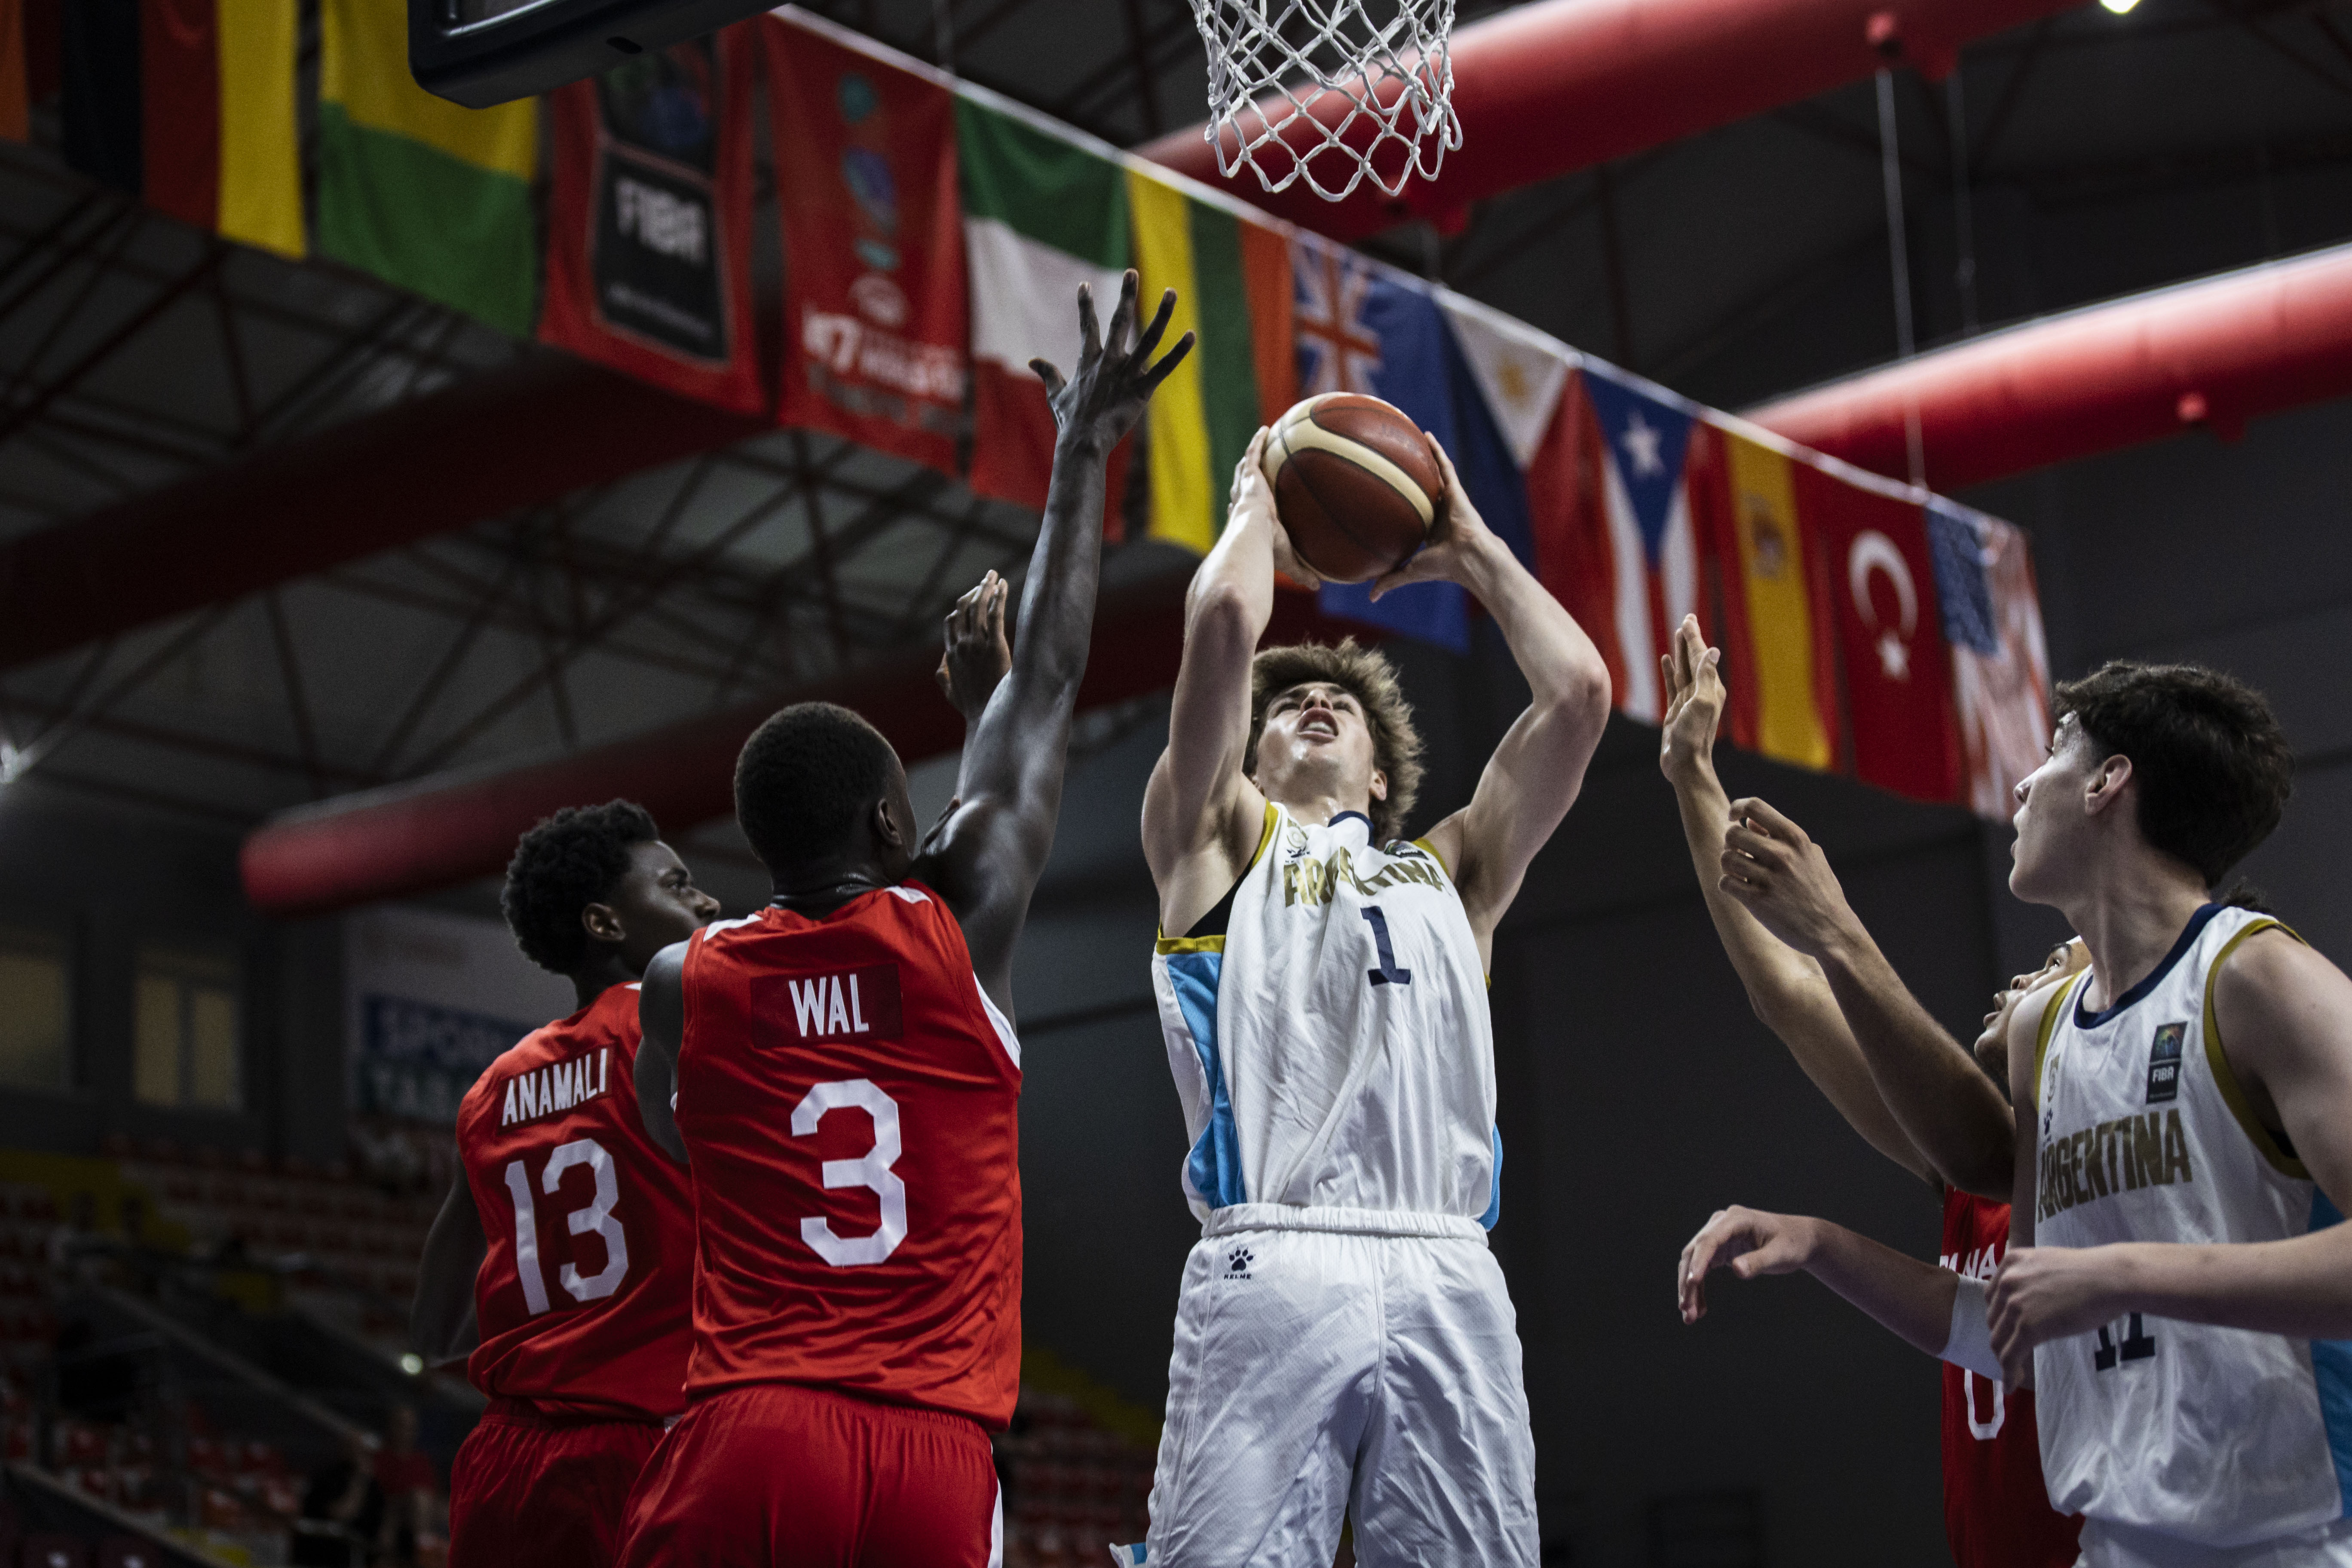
x: 2164, y: 1063
x: 1237, y: 1264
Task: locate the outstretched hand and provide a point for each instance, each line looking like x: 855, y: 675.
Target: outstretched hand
x: 977, y: 654
x: 1782, y: 877
x: 1455, y: 533
x: 1105, y: 395
x: 1695, y: 698
x: 2044, y: 1293
x: 1749, y: 1243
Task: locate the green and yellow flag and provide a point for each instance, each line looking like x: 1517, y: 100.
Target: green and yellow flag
x: 1233, y: 283
x: 426, y: 196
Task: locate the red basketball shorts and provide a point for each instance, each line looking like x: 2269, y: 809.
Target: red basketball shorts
x: 778, y: 1476
x: 526, y: 1490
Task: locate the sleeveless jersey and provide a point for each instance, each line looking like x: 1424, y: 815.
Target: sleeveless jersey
x: 2221, y: 1436
x: 850, y: 1100
x: 1332, y: 1049
x: 1996, y: 1512
x: 584, y: 1290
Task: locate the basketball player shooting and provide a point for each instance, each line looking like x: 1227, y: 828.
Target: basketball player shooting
x: 841, y: 1073
x: 1344, y: 1342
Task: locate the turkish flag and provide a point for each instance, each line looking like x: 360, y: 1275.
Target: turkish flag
x: 1875, y: 572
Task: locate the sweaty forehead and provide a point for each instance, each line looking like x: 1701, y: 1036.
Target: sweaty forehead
x: 1329, y: 688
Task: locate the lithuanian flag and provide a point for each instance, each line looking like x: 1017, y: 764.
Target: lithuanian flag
x: 1233, y: 282
x: 428, y: 196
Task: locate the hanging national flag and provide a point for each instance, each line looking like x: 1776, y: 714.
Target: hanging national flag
x: 1878, y: 574
x: 876, y: 316
x: 427, y: 195
x: 1647, y: 546
x: 649, y: 220
x: 2000, y: 669
x: 1362, y: 329
x: 1040, y: 216
x: 188, y: 104
x: 1232, y: 277
x: 1515, y: 432
x: 1779, y: 662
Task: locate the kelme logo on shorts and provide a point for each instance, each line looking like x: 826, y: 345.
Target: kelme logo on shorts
x: 1237, y: 1264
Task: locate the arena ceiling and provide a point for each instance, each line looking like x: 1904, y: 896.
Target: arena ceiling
x: 2097, y: 155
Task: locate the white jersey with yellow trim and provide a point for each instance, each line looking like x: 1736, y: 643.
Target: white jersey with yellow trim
x: 2156, y: 1430
x: 1332, y: 1048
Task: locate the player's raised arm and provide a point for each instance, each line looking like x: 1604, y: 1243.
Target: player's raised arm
x: 1912, y: 1298
x: 1201, y: 812
x: 1948, y: 1109
x: 986, y: 860
x: 1786, y: 989
x: 441, y: 1325
x: 1534, y: 775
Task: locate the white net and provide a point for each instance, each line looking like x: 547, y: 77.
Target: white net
x: 1334, y: 92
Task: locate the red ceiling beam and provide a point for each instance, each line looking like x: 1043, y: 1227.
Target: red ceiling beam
x: 439, y: 831
x: 1560, y: 85
x: 2215, y: 353
x: 509, y: 438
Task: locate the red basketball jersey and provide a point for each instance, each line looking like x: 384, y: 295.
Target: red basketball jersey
x: 851, y: 1103
x: 585, y: 1295
x: 1997, y: 1513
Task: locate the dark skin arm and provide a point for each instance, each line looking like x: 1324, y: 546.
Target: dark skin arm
x: 986, y: 859
x: 441, y: 1326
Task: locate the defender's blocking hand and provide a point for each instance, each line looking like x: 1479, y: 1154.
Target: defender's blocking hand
x: 1104, y: 395
x: 977, y: 654
x: 1748, y: 1242
x: 2044, y: 1293
x: 1695, y: 699
x: 1784, y: 880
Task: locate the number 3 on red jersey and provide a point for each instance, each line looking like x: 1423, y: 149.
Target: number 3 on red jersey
x: 872, y: 1170
x: 597, y: 1217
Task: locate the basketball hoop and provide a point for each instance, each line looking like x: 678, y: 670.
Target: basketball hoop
x: 1362, y: 88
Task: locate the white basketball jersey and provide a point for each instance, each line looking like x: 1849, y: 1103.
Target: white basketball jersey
x: 1332, y: 1049
x: 2220, y: 1437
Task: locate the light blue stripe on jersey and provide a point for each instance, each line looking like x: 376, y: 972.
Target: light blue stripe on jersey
x: 2331, y: 1369
x: 1215, y: 1166
x: 1495, y: 1187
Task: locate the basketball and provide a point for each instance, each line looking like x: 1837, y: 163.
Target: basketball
x: 1356, y: 484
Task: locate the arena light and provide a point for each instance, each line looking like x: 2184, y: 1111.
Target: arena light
x: 2119, y: 6
x: 411, y: 1364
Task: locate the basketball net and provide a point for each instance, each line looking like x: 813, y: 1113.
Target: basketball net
x: 1335, y: 92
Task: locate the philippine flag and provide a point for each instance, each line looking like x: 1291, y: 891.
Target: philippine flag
x: 1653, y: 548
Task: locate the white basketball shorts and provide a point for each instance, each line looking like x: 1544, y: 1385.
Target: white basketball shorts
x: 2109, y: 1545
x: 1323, y: 1371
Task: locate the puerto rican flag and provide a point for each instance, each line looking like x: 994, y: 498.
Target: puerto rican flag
x: 1651, y: 545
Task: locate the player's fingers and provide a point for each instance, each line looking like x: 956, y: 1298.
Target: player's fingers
x: 1780, y: 828
x: 946, y: 681
x: 1167, y: 366
x: 1122, y: 317
x: 1043, y: 371
x: 1089, y: 327
x: 1672, y: 680
x: 1148, y: 342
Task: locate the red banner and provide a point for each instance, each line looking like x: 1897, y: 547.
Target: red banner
x: 875, y: 315
x: 650, y: 221
x: 1876, y: 573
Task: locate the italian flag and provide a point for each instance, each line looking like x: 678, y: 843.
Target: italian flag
x: 429, y: 196
x: 1040, y: 216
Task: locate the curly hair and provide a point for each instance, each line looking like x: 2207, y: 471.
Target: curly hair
x: 804, y: 779
x: 1365, y: 674
x: 565, y: 863
x: 2214, y: 768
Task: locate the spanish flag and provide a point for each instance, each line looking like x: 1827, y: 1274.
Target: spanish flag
x: 190, y: 105
x: 1785, y: 688
x: 427, y: 195
x: 1233, y: 282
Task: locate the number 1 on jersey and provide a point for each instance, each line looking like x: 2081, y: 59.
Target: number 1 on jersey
x: 1387, y: 973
